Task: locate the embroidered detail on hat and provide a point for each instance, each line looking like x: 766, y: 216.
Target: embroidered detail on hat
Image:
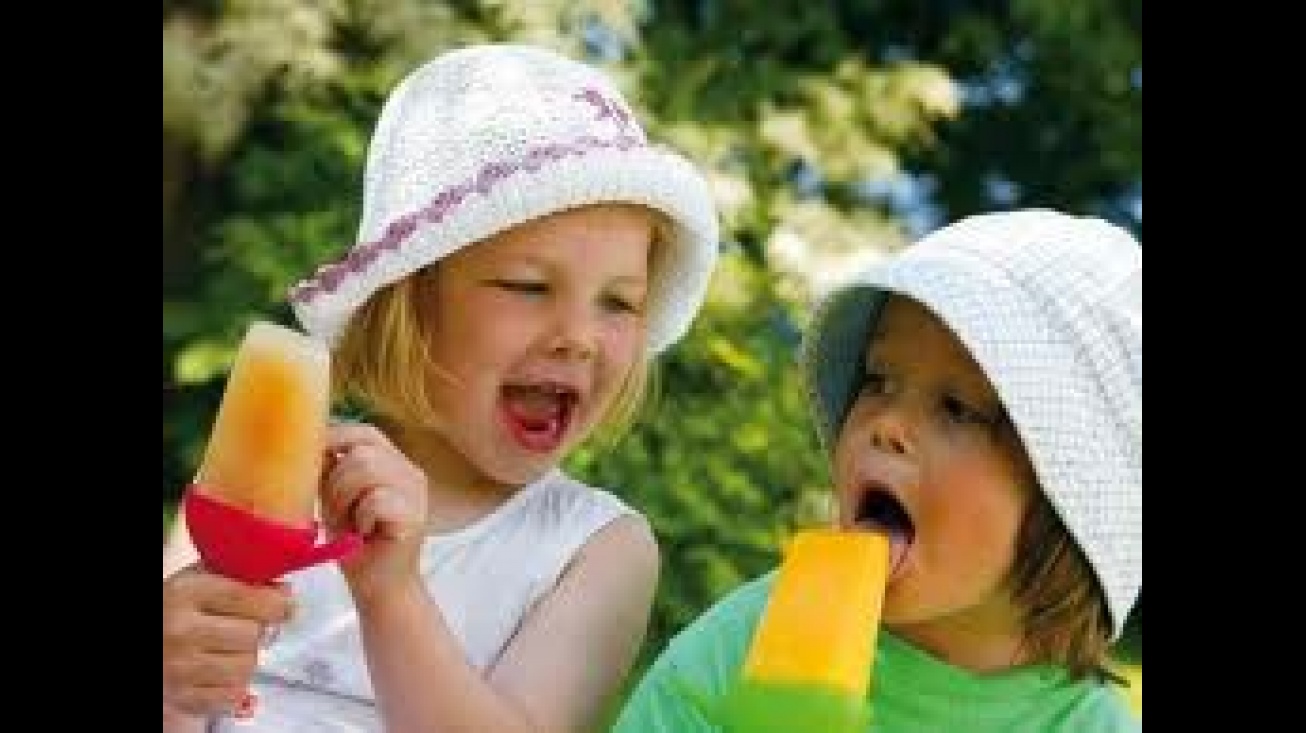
x: 329, y: 277
x: 608, y: 108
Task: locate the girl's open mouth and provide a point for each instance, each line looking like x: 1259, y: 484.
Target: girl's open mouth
x: 877, y: 509
x: 538, y: 415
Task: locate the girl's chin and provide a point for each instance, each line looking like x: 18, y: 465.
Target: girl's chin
x: 519, y: 467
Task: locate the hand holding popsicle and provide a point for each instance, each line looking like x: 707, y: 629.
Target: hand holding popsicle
x: 251, y: 510
x: 372, y: 488
x: 211, y: 631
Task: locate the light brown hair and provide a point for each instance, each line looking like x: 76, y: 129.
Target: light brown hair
x: 1066, y: 617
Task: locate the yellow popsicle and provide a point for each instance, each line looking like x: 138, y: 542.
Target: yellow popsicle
x: 264, y: 454
x: 823, y: 615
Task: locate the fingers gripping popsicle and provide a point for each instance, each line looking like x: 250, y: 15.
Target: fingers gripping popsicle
x: 809, y: 665
x: 250, y: 511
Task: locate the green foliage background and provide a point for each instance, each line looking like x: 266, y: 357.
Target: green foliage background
x: 831, y: 132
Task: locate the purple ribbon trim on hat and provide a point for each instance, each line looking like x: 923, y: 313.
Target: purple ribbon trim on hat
x: 328, y: 277
x: 607, y: 107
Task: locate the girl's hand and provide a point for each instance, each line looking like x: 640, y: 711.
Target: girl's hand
x: 372, y: 488
x: 211, y: 631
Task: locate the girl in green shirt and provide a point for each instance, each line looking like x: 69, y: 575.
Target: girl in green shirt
x: 980, y: 395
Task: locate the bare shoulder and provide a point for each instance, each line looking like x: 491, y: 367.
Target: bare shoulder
x: 626, y: 544
x: 629, y: 533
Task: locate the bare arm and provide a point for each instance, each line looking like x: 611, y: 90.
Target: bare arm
x: 576, y: 649
x: 566, y: 661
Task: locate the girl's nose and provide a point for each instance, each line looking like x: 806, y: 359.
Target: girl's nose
x: 890, y: 427
x: 889, y: 436
x: 576, y: 335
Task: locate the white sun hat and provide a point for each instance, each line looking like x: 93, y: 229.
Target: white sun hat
x: 1050, y: 306
x: 483, y: 138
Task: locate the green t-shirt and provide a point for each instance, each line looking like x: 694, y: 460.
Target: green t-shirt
x: 912, y: 690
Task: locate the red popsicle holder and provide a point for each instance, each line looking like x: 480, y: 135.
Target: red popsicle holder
x: 242, y: 545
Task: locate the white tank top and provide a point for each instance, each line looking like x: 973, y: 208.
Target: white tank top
x: 485, y: 578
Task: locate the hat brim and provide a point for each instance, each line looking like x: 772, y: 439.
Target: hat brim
x: 659, y: 179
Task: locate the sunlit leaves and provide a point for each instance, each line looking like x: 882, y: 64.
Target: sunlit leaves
x: 202, y: 361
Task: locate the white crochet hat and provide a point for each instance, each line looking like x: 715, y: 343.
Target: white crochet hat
x: 1050, y: 307
x: 484, y: 138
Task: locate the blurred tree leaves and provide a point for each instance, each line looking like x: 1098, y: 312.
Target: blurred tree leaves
x: 723, y: 461
x: 831, y: 133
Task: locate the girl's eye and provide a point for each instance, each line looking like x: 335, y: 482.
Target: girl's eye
x: 961, y: 413
x: 529, y: 287
x: 874, y: 382
x: 618, y: 304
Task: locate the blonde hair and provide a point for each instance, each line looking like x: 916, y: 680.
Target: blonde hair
x: 382, y: 360
x: 1066, y: 616
x: 383, y: 363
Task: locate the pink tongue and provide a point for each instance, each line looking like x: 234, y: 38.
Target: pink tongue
x: 536, y: 409
x: 898, y: 543
x: 536, y: 417
x: 897, y: 550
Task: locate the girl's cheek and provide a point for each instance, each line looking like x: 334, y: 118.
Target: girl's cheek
x: 622, y: 345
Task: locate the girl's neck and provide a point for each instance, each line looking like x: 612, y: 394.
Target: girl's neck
x: 459, y: 495
x: 981, y: 640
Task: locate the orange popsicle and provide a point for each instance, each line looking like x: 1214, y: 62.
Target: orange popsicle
x: 264, y: 454
x: 810, y: 662
x: 820, y: 623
